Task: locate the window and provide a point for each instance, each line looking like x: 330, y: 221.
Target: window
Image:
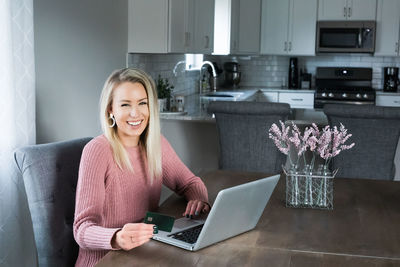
x: 193, y: 61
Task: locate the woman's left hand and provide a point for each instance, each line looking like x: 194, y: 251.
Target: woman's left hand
x: 195, y: 207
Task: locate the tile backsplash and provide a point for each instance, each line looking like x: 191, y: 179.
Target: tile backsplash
x: 257, y: 71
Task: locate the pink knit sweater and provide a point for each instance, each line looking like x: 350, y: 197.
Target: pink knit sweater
x: 107, y: 197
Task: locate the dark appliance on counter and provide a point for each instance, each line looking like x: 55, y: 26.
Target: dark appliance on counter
x: 293, y: 78
x: 343, y: 85
x: 305, y: 80
x: 390, y: 79
x: 232, y: 74
x: 345, y: 37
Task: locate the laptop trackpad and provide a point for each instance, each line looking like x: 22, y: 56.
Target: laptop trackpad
x: 183, y: 223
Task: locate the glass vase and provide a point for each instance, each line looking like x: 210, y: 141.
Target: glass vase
x: 308, y: 188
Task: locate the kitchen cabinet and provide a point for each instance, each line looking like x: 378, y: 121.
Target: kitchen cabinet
x: 246, y: 26
x: 176, y: 26
x: 347, y: 10
x: 288, y: 27
x: 297, y: 99
x: 237, y: 27
x: 387, y: 28
x: 388, y: 99
x: 203, y: 41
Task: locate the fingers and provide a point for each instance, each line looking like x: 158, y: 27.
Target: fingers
x: 195, y: 207
x: 134, y: 234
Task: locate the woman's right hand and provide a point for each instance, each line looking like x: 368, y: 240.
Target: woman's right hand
x: 133, y: 235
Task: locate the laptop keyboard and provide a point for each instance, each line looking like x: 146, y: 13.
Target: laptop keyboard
x: 189, y: 235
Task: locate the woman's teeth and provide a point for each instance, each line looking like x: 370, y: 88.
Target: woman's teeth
x: 134, y: 123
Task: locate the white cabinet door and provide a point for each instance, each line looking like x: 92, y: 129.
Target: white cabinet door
x: 148, y: 26
x: 302, y: 27
x: 332, y: 9
x: 347, y: 10
x: 274, y: 27
x: 387, y: 28
x: 288, y: 27
x: 177, y: 39
x: 388, y: 100
x: 248, y: 24
x: 297, y: 100
x: 203, y: 26
x: 361, y: 9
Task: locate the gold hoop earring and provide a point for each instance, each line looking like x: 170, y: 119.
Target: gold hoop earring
x: 113, y: 121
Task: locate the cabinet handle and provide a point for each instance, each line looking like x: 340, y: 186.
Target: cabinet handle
x: 396, y: 49
x: 297, y: 99
x: 234, y: 44
x: 344, y: 12
x: 207, y: 41
x: 349, y: 12
x: 396, y: 101
x: 290, y: 46
x: 285, y: 47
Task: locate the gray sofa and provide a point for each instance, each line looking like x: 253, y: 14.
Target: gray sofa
x: 50, y: 174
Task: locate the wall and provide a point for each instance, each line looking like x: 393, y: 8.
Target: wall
x: 265, y: 71
x: 77, y: 45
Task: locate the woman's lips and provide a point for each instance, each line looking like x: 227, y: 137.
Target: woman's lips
x: 134, y: 123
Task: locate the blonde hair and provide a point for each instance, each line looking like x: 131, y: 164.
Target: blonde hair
x: 150, y: 139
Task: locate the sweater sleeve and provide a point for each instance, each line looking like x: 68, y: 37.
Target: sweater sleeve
x: 177, y: 177
x: 90, y: 195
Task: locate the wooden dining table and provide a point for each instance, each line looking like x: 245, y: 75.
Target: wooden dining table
x: 363, y: 229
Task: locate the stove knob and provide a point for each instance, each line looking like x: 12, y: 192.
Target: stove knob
x: 344, y: 95
x: 358, y: 95
x: 323, y: 94
x: 330, y: 95
x: 365, y: 96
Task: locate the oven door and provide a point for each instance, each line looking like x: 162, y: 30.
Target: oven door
x: 345, y: 37
x: 319, y: 103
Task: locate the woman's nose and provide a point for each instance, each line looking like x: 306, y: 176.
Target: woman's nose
x: 134, y: 111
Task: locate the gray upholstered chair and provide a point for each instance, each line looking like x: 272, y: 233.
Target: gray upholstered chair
x: 50, y: 174
x: 243, y: 135
x: 376, y: 132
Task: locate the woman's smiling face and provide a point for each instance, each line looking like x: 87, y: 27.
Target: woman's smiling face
x: 131, y: 111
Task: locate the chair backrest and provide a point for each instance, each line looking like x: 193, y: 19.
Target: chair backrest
x: 50, y: 174
x: 243, y: 135
x: 375, y: 132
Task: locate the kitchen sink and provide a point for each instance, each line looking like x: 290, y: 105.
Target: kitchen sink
x: 218, y: 95
x: 223, y: 95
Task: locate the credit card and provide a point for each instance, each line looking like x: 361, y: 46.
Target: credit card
x: 163, y: 222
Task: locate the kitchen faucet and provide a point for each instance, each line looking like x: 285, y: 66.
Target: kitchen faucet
x: 214, y: 74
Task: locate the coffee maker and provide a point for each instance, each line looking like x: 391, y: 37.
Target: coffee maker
x: 390, y: 79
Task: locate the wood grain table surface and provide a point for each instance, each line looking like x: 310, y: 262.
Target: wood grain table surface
x: 363, y: 229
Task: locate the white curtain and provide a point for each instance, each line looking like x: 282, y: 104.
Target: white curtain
x: 17, y: 128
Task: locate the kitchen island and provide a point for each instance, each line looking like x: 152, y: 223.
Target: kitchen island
x: 196, y: 106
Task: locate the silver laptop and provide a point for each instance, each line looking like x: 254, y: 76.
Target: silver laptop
x: 235, y: 210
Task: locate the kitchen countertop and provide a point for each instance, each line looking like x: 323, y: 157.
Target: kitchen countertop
x: 196, y: 107
x: 387, y: 93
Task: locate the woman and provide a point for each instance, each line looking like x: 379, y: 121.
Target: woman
x: 121, y: 171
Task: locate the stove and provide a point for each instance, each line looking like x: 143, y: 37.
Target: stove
x: 343, y: 85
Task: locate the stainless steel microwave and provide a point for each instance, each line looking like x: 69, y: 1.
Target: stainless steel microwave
x: 345, y: 37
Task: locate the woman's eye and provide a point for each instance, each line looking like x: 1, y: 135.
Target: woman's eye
x: 143, y: 103
x: 125, y: 105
